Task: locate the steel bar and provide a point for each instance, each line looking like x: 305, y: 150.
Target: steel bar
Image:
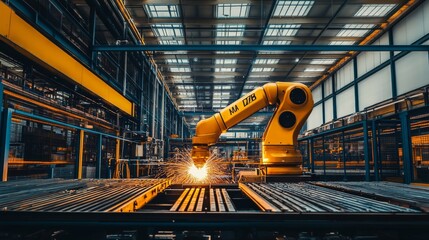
x: 376, y: 48
x: 200, y: 200
x: 179, y: 200
x: 191, y: 206
x: 228, y: 201
x: 220, y: 205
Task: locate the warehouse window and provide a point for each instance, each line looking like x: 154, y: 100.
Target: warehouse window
x: 233, y: 10
x: 162, y: 11
x: 282, y: 30
x: 168, y: 30
x: 267, y: 61
x: 230, y: 30
x: 262, y: 69
x: 355, y: 30
x: 226, y: 61
x: 374, y: 10
x: 323, y: 61
x: 292, y: 8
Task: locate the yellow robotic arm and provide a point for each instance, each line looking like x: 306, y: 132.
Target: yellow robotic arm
x: 294, y: 104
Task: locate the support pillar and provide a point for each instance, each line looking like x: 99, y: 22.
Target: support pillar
x: 375, y: 153
x: 366, y: 151
x: 79, y: 160
x: 407, y: 157
x: 99, y: 152
x: 6, y: 121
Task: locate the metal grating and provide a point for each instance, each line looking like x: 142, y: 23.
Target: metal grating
x: 202, y: 199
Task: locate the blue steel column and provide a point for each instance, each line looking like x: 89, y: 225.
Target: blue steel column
x: 312, y: 154
x: 334, y: 98
x: 6, y: 121
x: 344, y: 155
x: 407, y: 157
x: 375, y: 150
x: 365, y: 150
x: 99, y: 154
x: 392, y: 67
x: 93, y: 24
x: 355, y: 76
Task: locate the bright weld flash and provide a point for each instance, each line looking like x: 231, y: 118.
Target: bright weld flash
x: 198, y: 173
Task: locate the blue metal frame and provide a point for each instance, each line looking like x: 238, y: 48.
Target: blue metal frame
x: 312, y: 154
x: 366, y: 150
x: 369, y: 48
x: 407, y: 157
x: 375, y: 152
x: 99, y: 155
x: 6, y: 121
x: 355, y: 84
x: 392, y: 67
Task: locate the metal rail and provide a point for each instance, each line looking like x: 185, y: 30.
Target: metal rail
x: 195, y: 200
x: 303, y: 197
x: 80, y: 196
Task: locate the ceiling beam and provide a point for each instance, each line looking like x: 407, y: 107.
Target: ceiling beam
x: 253, y: 2
x: 377, y: 48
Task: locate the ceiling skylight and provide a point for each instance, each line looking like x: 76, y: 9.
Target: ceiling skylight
x: 276, y: 42
x: 355, y: 30
x: 342, y: 43
x: 230, y: 30
x: 226, y: 61
x: 262, y: 69
x: 267, y: 61
x: 233, y: 10
x: 168, y: 30
x: 162, y: 11
x: 177, y: 60
x: 292, y: 8
x: 314, y: 70
x: 374, y: 10
x: 228, y: 42
x: 227, y: 52
x: 170, y: 42
x: 282, y: 30
x: 224, y: 69
x: 180, y: 69
x: 323, y: 61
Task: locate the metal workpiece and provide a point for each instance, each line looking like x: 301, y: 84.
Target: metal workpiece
x: 307, y: 198
x: 80, y: 195
x: 413, y: 196
x: 201, y: 199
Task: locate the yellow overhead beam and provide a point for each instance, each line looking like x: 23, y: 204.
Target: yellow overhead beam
x: 23, y: 37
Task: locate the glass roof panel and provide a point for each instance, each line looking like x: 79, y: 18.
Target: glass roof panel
x: 292, y: 8
x: 355, y: 30
x: 226, y: 61
x: 267, y: 61
x: 282, y: 30
x: 230, y: 30
x: 239, y: 10
x: 374, y: 10
x: 162, y: 11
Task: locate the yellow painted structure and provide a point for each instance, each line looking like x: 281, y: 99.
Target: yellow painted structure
x: 294, y: 103
x: 80, y: 156
x: 20, y: 35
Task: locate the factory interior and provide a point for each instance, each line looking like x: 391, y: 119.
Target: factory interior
x: 214, y: 119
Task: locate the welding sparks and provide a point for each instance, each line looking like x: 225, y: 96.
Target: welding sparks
x: 181, y: 169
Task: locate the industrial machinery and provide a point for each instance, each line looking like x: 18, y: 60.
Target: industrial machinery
x: 293, y: 102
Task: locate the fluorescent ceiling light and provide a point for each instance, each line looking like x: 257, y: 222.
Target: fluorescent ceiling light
x: 282, y: 30
x: 355, y: 30
x: 222, y: 87
x: 267, y: 61
x: 262, y: 69
x: 162, y: 11
x: 314, y: 70
x: 185, y: 87
x: 230, y: 30
x: 292, y: 8
x: 240, y: 10
x: 323, y: 61
x: 374, y: 10
x: 226, y: 61
x: 168, y: 30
